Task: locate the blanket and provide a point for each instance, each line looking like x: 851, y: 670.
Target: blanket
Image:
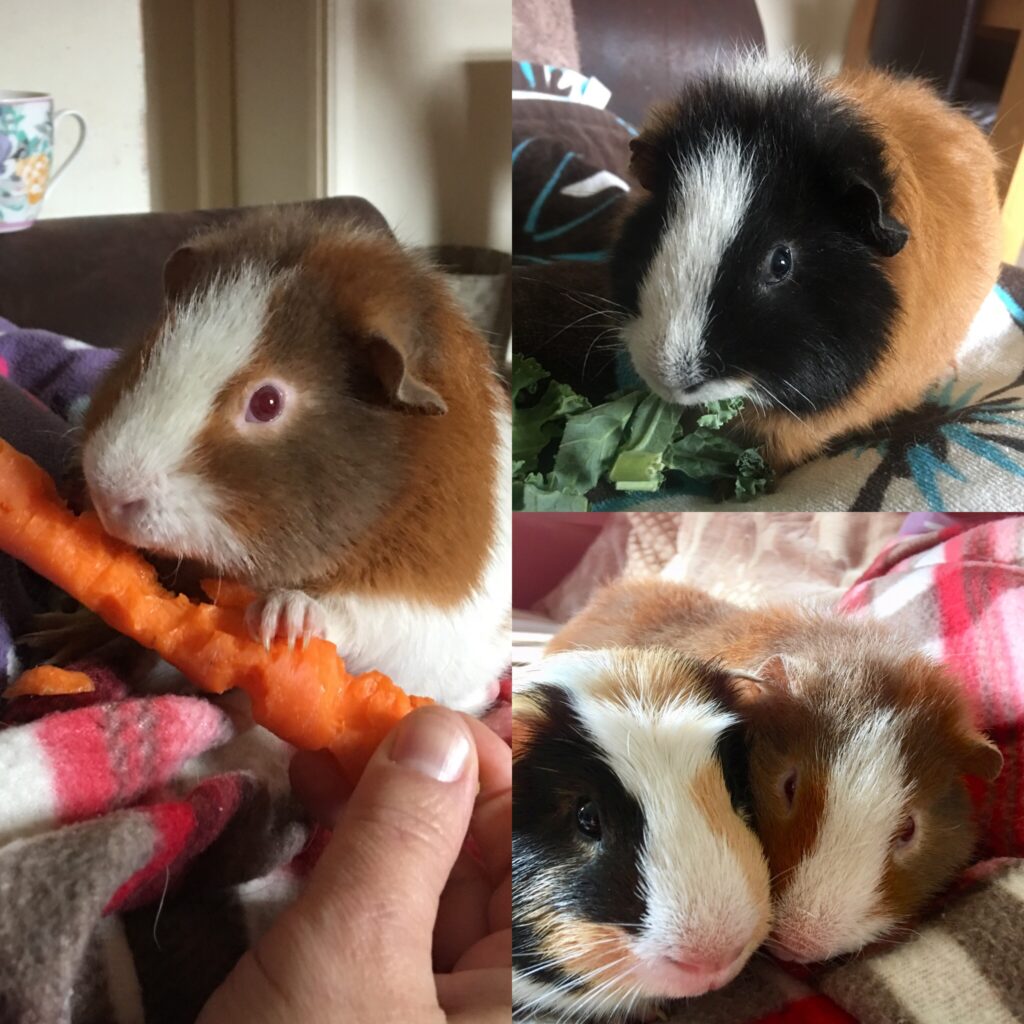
x: 955, y: 587
x: 148, y: 834
x: 960, y: 450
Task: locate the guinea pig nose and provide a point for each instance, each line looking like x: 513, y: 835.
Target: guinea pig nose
x: 125, y: 511
x: 708, y: 961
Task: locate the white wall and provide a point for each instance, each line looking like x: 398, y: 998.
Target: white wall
x: 815, y: 26
x: 88, y: 55
x: 419, y: 115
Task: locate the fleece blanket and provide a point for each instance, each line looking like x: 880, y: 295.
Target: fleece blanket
x: 960, y: 450
x: 148, y: 835
x: 955, y: 586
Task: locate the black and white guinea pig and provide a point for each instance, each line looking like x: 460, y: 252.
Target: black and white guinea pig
x: 315, y: 417
x: 816, y: 245
x: 858, y: 748
x: 636, y: 874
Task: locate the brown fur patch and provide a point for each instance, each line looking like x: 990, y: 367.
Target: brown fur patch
x: 583, y: 949
x: 712, y: 799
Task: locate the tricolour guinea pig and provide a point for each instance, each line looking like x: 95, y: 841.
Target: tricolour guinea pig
x: 858, y: 748
x: 636, y: 874
x: 815, y: 245
x: 315, y: 417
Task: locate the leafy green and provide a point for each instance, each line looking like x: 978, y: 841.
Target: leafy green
x: 538, y: 422
x: 562, y: 448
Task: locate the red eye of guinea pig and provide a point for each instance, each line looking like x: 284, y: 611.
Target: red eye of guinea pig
x: 265, y: 404
x: 789, y: 788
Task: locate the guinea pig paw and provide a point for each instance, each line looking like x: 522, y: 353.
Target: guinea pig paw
x: 289, y: 614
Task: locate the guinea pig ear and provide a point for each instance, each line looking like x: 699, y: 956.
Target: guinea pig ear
x: 883, y: 233
x: 747, y: 688
x: 393, y: 381
x: 647, y: 161
x: 981, y: 757
x: 181, y: 271
x: 776, y: 671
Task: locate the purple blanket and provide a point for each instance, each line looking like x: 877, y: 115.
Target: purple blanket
x: 45, y: 383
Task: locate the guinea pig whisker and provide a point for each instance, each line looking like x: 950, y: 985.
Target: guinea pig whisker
x: 600, y: 298
x: 590, y: 347
x: 790, y: 384
x: 778, y: 401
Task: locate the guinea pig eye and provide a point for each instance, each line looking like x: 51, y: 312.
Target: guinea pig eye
x: 907, y: 830
x: 588, y: 820
x: 265, y: 404
x: 789, y: 788
x: 780, y: 263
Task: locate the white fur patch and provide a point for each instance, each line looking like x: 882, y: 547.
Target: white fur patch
x: 700, y: 897
x: 831, y: 905
x: 454, y: 655
x: 667, y: 341
x: 141, y: 447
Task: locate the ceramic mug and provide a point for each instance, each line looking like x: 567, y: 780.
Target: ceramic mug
x: 27, y: 123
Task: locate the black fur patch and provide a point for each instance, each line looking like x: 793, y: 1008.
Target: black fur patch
x: 810, y: 339
x: 600, y: 880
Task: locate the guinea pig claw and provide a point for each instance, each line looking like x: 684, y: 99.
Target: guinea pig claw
x: 292, y: 615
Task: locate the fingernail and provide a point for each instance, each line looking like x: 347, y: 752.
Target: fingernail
x: 432, y: 743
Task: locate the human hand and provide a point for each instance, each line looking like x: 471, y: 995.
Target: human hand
x: 398, y: 922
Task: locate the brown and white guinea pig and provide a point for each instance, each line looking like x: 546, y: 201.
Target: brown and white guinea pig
x: 817, y: 245
x: 858, y: 748
x: 315, y: 417
x: 636, y: 874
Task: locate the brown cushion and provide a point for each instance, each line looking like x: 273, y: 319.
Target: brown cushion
x: 99, y: 278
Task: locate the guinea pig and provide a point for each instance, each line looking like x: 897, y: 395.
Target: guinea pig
x: 636, y: 874
x: 815, y: 245
x: 858, y: 747
x: 314, y: 417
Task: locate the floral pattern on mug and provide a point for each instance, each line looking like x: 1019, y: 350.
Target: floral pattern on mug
x: 26, y: 151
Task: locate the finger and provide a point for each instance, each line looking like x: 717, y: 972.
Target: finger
x: 494, y: 951
x: 499, y: 911
x: 472, y: 993
x: 462, y: 916
x: 381, y: 876
x: 320, y: 784
x: 491, y: 826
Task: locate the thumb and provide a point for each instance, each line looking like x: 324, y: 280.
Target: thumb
x: 378, y: 883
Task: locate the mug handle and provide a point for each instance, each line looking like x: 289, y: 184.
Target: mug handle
x: 78, y: 145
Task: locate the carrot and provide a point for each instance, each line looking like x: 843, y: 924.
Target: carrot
x: 305, y: 696
x: 49, y: 681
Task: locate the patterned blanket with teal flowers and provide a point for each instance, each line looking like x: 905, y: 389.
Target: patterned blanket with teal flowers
x: 961, y: 450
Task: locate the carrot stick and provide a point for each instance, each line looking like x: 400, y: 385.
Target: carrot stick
x: 305, y: 696
x: 49, y: 681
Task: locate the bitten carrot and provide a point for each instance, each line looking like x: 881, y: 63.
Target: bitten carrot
x: 305, y: 696
x: 50, y: 681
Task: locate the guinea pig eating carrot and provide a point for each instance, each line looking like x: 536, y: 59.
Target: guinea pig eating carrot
x: 316, y: 418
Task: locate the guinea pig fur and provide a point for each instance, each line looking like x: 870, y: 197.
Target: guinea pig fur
x: 818, y: 246
x: 315, y: 417
x: 636, y: 875
x: 858, y: 749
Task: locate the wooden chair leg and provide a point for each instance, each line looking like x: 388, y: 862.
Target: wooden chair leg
x: 858, y: 36
x: 1007, y: 140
